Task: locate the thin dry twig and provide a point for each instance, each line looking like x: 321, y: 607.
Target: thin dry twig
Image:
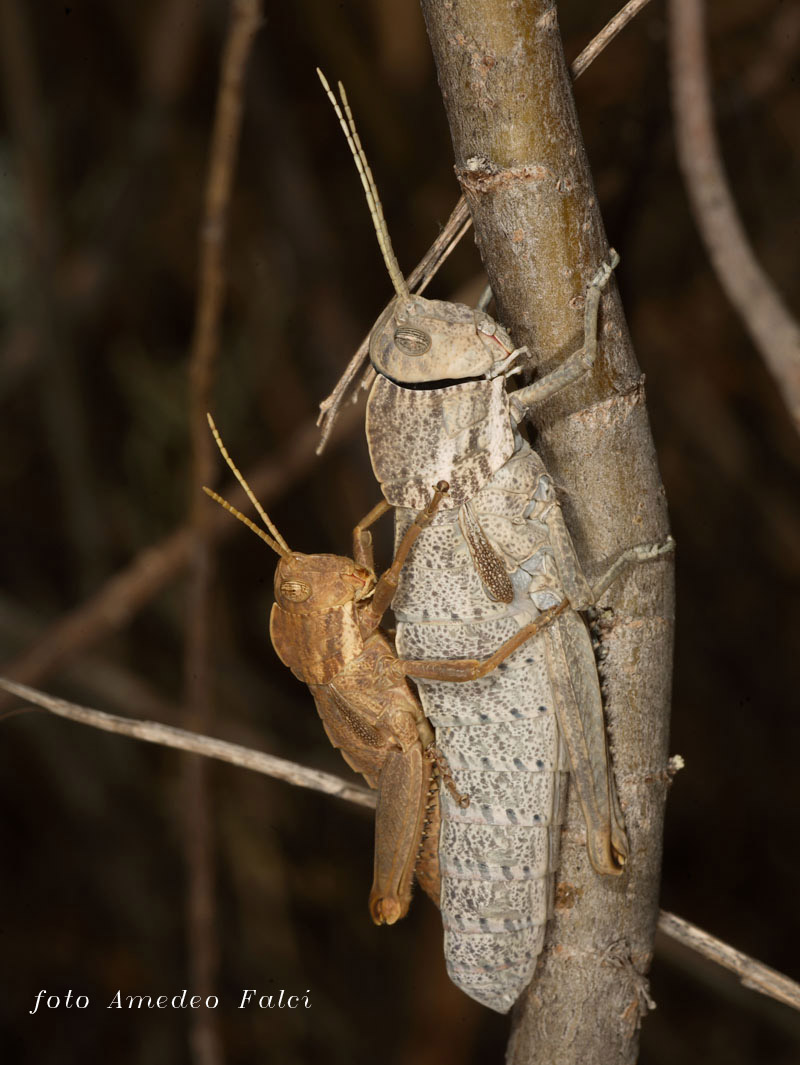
x: 245, y: 18
x: 753, y: 974
x: 183, y: 740
x: 772, y: 329
x: 606, y: 36
x: 113, y: 606
x: 454, y: 229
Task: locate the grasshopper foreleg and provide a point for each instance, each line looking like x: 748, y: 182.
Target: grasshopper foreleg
x: 372, y: 612
x: 583, y: 359
x: 632, y: 557
x: 362, y: 538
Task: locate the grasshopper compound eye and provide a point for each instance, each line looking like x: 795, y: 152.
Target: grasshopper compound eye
x: 295, y: 591
x: 412, y: 341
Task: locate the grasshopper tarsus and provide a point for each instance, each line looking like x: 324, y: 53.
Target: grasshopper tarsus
x: 445, y: 774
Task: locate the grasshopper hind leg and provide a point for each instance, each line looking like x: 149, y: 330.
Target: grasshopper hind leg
x: 403, y: 790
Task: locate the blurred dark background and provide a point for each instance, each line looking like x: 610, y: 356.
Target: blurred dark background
x: 106, y: 119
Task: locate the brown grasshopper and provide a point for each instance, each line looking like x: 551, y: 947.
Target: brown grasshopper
x: 324, y: 626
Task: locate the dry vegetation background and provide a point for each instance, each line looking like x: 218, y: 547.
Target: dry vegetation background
x: 106, y: 117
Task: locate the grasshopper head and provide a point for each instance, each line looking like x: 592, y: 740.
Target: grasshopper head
x: 419, y: 341
x: 305, y: 584
x: 416, y: 340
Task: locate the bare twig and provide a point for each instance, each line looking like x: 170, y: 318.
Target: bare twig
x: 771, y: 327
x: 454, y: 229
x: 519, y: 175
x: 753, y: 974
x: 203, y: 947
x: 182, y: 740
x: 606, y: 36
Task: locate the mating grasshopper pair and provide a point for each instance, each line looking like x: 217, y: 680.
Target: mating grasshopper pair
x: 496, y: 556
x: 487, y: 589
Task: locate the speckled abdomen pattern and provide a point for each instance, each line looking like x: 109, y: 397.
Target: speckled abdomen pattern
x: 496, y: 855
x: 501, y: 740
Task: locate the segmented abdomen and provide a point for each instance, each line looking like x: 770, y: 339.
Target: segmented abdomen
x: 501, y: 740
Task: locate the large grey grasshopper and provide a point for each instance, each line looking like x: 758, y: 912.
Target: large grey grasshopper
x: 324, y: 627
x: 495, y: 556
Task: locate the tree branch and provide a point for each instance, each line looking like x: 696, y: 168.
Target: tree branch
x: 522, y: 165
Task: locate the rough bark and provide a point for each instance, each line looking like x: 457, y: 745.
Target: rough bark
x: 523, y: 168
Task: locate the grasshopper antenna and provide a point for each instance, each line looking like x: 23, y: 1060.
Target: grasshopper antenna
x: 278, y: 544
x: 370, y: 188
x: 245, y: 520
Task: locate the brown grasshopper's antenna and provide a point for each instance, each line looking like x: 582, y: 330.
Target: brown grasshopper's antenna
x: 278, y: 545
x: 245, y: 520
x: 370, y: 188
